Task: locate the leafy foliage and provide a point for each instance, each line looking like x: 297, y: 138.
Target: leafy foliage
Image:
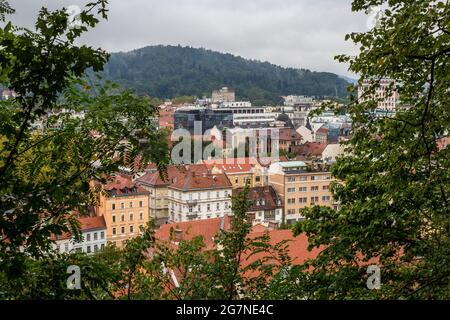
x: 395, y: 185
x: 60, y: 132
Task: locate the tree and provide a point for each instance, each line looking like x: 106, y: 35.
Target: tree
x: 395, y: 181
x: 88, y: 130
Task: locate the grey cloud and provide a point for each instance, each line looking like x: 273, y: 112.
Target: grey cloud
x: 291, y: 33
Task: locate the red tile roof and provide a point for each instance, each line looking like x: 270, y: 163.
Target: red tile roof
x: 86, y: 224
x: 210, y: 228
x: 122, y: 185
x: 323, y: 130
x: 310, y: 149
x: 207, y: 228
x: 289, y: 134
x: 154, y: 179
x: 196, y: 181
x: 232, y: 168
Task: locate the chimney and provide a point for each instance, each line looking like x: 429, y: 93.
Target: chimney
x: 273, y: 225
x: 178, y: 235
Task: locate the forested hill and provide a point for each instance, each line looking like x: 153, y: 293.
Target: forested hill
x: 170, y: 71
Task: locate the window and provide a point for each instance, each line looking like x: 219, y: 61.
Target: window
x: 314, y: 199
x: 140, y: 215
x: 291, y: 211
x: 131, y: 229
x: 217, y: 206
x: 140, y: 204
x: 313, y: 178
x: 291, y: 200
x: 113, y: 218
x: 131, y: 216
x: 88, y: 249
x: 95, y: 236
x: 303, y: 189
x: 315, y: 188
x: 304, y: 178
x: 95, y: 248
x: 325, y: 198
x: 291, y: 179
x: 123, y: 230
x: 88, y: 237
x: 190, y: 208
x: 269, y: 215
x: 302, y: 200
x: 122, y: 205
x: 114, y: 231
x: 102, y: 235
x: 325, y: 187
x: 290, y: 190
x: 114, y: 206
x: 257, y: 178
x: 236, y: 180
x: 122, y: 218
x: 131, y: 204
x: 208, y: 207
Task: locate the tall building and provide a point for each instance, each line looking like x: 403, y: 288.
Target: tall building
x: 125, y: 208
x: 387, y: 102
x: 299, y: 186
x: 223, y: 95
x: 157, y: 186
x: 199, y: 196
x: 187, y: 117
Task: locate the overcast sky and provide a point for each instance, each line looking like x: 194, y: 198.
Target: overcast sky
x: 291, y: 33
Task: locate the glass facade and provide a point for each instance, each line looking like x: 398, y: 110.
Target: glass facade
x: 208, y: 118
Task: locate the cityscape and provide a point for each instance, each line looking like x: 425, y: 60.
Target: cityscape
x: 181, y: 173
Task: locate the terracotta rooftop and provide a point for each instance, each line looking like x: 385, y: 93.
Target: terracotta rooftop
x: 289, y: 134
x: 310, y: 149
x: 122, y: 185
x: 207, y: 228
x: 154, y: 179
x: 210, y: 228
x: 232, y: 168
x: 247, y: 160
x: 195, y: 181
x: 323, y: 130
x: 86, y: 224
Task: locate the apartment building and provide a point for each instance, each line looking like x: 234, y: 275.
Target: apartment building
x: 199, y: 196
x: 266, y: 205
x: 387, y: 101
x: 298, y: 187
x: 93, y: 237
x: 125, y: 208
x: 157, y: 186
x: 240, y: 171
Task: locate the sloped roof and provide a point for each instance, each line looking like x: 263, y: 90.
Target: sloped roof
x: 195, y: 181
x: 154, y: 178
x: 207, y: 228
x: 262, y: 198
